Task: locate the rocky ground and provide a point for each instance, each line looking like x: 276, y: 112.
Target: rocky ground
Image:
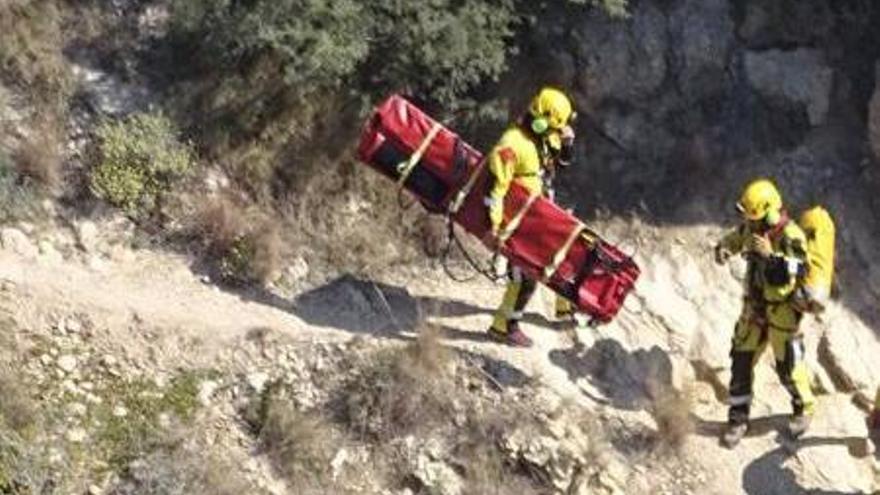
x: 125, y: 344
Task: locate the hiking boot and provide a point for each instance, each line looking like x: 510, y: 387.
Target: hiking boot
x: 514, y: 336
x: 733, y: 434
x: 798, y: 425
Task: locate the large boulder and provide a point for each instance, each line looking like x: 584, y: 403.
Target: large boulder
x: 622, y: 60
x: 797, y: 80
x: 702, y: 37
x: 848, y: 350
x: 874, y: 116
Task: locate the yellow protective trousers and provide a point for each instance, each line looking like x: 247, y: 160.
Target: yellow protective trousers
x: 751, y: 337
x: 877, y: 400
x: 519, y: 291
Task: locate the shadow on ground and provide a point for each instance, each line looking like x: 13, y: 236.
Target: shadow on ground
x: 366, y: 307
x: 628, y: 379
x: 768, y: 475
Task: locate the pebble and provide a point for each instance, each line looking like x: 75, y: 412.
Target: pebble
x: 72, y: 325
x: 67, y: 363
x: 258, y: 381
x: 76, y: 435
x: 206, y: 390
x: 45, y: 359
x: 77, y: 409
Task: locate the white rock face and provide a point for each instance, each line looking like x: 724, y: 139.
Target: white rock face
x: 18, y: 242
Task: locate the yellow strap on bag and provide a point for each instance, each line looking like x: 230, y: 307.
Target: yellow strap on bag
x: 818, y: 225
x: 466, y: 190
x: 514, y: 222
x: 406, y: 167
x: 560, y: 255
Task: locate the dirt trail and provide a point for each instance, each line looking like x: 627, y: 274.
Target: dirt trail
x: 152, y: 304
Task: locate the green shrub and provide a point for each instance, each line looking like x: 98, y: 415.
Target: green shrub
x: 139, y: 160
x: 443, y: 47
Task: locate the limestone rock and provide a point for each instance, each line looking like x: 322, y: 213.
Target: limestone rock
x: 67, y: 363
x: 16, y: 241
x: 848, y: 352
x: 798, y: 79
x: 437, y: 477
x: 257, y: 381
x: 87, y: 235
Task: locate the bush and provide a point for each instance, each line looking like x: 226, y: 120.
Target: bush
x: 442, y: 47
x: 139, y: 160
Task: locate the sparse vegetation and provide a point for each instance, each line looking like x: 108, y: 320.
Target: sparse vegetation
x: 183, y: 467
x: 139, y: 161
x: 301, y: 445
x: 23, y: 467
x: 31, y: 50
x: 38, y: 159
x: 19, y: 200
x: 401, y: 392
x: 123, y: 438
x: 245, y: 246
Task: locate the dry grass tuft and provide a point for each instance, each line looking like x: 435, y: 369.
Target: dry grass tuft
x: 401, y: 392
x: 301, y: 446
x: 39, y: 157
x: 17, y: 410
x: 268, y: 254
x: 219, y: 223
x: 671, y: 410
x: 245, y: 247
x: 183, y: 469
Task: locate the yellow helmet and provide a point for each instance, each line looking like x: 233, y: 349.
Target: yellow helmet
x: 760, y: 200
x: 550, y: 109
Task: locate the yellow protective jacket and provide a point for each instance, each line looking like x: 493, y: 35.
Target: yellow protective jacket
x: 772, y: 280
x: 516, y: 157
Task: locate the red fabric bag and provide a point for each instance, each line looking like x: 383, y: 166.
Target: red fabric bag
x: 546, y: 242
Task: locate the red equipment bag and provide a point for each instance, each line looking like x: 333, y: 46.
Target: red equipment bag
x: 546, y: 242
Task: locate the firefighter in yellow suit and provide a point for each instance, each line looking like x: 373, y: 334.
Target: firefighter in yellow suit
x: 776, y: 252
x: 527, y: 153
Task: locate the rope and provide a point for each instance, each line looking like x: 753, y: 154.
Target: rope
x: 452, y: 240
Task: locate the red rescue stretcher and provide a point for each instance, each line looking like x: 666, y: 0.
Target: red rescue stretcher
x: 447, y: 175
